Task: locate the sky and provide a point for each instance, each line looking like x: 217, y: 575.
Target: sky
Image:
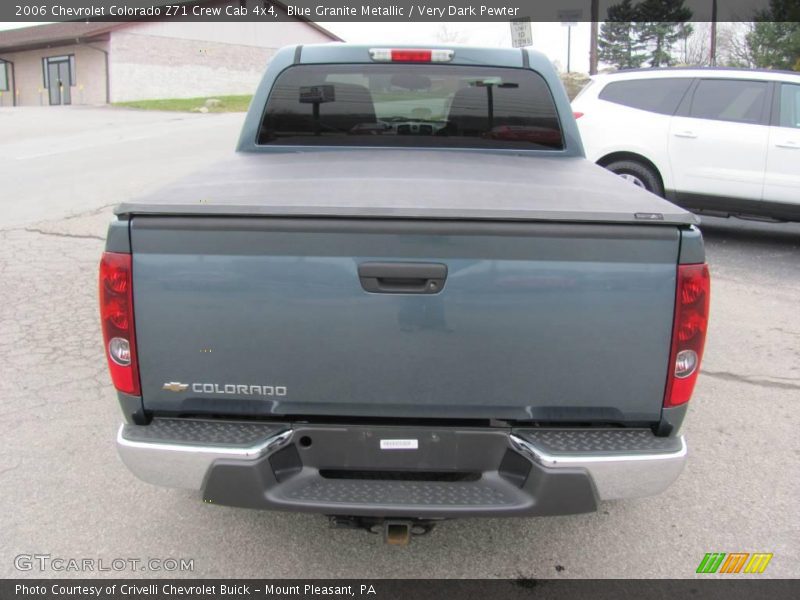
x: 549, y: 38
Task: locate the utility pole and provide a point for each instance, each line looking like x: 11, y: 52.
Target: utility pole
x: 595, y: 16
x: 713, y: 56
x: 569, y: 47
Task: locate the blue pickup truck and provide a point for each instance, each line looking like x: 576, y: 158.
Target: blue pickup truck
x: 407, y: 297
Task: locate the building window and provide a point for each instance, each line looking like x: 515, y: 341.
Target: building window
x: 3, y: 76
x: 68, y: 59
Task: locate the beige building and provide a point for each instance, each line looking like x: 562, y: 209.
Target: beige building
x: 97, y: 63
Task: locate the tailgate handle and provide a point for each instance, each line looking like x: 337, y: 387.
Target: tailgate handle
x: 402, y: 277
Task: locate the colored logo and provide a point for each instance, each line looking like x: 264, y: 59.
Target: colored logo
x: 734, y: 562
x: 175, y: 386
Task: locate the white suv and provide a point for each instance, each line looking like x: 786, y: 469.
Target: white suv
x: 720, y: 141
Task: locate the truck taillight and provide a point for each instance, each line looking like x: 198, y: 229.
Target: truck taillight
x: 410, y: 55
x: 688, y: 332
x: 116, y: 316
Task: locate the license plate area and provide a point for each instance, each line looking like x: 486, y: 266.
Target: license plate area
x: 338, y: 449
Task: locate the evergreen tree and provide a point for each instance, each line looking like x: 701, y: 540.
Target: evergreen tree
x: 775, y: 40
x: 663, y: 23
x: 619, y: 43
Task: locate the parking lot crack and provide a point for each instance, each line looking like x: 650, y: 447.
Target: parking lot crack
x: 761, y: 382
x: 64, y: 235
x: 91, y: 212
x: 9, y: 469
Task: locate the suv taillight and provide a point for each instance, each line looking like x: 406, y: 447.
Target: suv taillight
x: 116, y: 317
x: 688, y: 332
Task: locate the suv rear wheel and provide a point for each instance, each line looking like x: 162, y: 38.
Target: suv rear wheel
x: 638, y: 174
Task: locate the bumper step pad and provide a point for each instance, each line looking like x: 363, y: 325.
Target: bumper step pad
x: 202, y: 432
x: 411, y: 493
x: 598, y: 442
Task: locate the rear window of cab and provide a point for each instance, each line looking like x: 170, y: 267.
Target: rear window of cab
x: 411, y: 105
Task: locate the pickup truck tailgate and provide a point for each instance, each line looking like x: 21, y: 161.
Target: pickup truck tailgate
x: 549, y: 321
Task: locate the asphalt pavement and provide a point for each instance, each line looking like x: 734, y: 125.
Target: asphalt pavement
x: 64, y: 492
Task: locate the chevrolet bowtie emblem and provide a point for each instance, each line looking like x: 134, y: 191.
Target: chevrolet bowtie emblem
x: 175, y: 386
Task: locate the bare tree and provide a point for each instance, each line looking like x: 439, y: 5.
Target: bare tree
x: 733, y: 49
x: 696, y: 48
x: 449, y: 35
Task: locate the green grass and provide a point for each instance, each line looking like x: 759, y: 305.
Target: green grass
x: 229, y: 104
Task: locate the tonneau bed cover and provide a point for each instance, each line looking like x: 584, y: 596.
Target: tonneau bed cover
x: 401, y: 184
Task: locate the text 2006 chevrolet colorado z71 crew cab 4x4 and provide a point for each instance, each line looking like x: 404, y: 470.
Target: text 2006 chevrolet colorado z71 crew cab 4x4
x: 408, y: 297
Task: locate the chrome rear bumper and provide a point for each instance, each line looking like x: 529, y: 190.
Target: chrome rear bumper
x: 625, y: 473
x: 181, y: 452
x: 516, y: 471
